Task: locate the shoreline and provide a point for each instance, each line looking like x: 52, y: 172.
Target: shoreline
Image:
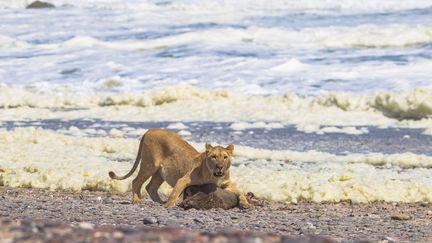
x: 377, y: 221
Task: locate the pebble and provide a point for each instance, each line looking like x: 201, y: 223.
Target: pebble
x: 400, y: 216
x: 118, y: 234
x: 86, y: 225
x: 200, y: 221
x: 108, y: 200
x: 388, y: 240
x: 309, y: 225
x: 150, y: 220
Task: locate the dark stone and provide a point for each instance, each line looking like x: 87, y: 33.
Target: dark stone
x: 150, y: 220
x: 108, y: 200
x: 208, y: 196
x: 39, y: 4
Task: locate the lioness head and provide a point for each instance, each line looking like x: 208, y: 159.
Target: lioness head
x: 218, y: 159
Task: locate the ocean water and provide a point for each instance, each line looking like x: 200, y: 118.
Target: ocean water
x: 336, y: 77
x: 251, y: 47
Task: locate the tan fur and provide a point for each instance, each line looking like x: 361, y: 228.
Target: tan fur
x: 165, y: 156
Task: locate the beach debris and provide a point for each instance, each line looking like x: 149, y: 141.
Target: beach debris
x: 400, y: 216
x: 39, y: 4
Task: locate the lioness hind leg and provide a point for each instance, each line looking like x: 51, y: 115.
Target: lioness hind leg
x: 143, y: 175
x: 153, y: 186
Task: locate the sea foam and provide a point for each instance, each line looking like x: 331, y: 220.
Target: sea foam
x: 38, y: 158
x: 187, y: 103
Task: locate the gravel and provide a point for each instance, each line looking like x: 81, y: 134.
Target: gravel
x: 342, y: 221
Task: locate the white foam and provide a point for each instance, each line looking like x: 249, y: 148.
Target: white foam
x: 293, y: 65
x: 7, y: 42
x: 333, y: 182
x: 38, y: 158
x: 369, y: 36
x: 250, y: 125
x: 115, y: 133
x: 427, y: 131
x: 318, y: 129
x: 184, y: 133
x: 177, y: 126
x: 186, y: 103
x: 358, y: 36
x: 403, y: 160
x: 43, y: 159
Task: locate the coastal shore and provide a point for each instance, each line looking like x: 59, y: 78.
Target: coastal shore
x: 268, y: 221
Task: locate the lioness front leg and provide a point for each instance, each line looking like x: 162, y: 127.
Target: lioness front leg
x: 243, y: 202
x: 181, y: 184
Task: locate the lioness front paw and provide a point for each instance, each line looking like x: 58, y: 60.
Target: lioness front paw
x: 137, y: 200
x: 169, y: 204
x: 245, y: 204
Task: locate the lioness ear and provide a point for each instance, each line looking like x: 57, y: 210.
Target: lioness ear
x: 230, y: 148
x: 208, y: 147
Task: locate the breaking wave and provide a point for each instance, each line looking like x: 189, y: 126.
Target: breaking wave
x: 366, y: 36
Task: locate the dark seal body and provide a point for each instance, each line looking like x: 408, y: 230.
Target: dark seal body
x: 208, y: 196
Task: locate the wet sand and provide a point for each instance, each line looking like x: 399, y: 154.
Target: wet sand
x: 345, y: 222
x: 376, y: 140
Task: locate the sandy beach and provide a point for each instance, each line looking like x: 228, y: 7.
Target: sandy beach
x: 343, y: 222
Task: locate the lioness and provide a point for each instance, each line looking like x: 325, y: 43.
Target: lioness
x: 167, y: 157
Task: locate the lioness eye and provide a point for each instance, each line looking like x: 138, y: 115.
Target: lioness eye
x: 213, y: 156
x: 225, y: 157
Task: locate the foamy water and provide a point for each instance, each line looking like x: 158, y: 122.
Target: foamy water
x: 328, y: 67
x: 252, y: 47
x: 41, y: 158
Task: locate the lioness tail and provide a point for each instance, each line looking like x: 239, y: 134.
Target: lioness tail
x: 137, y: 160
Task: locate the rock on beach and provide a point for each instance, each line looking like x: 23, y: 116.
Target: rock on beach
x: 39, y: 4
